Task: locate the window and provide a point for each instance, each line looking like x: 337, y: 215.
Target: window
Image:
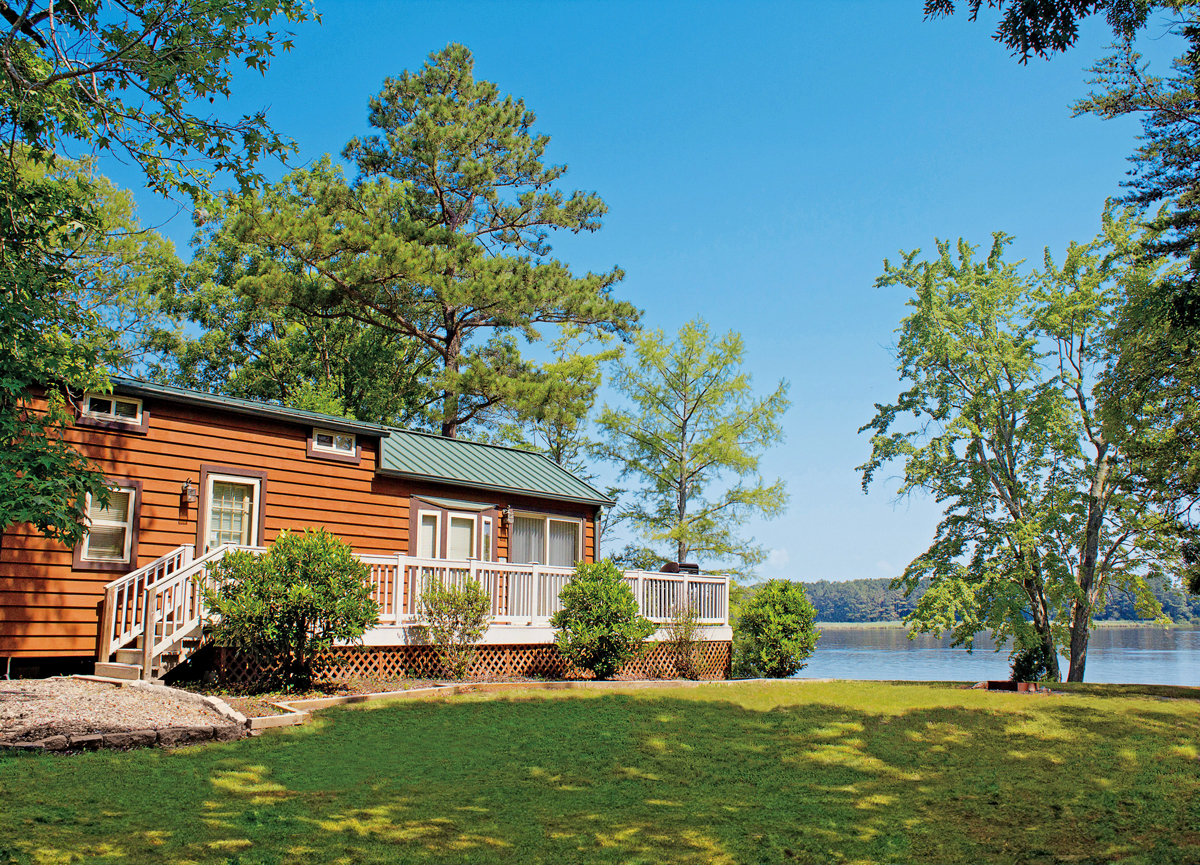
x: 461, y: 540
x: 545, y: 541
x: 233, y: 511
x: 110, y: 528
x: 528, y: 542
x: 485, y: 545
x: 427, y: 540
x: 334, y: 442
x: 124, y: 410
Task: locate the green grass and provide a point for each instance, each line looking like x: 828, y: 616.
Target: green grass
x: 839, y: 772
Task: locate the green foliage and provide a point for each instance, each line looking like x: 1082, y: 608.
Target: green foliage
x: 301, y: 358
x: 1031, y: 664
x: 774, y: 635
x: 599, y: 627
x: 683, y: 640
x: 1045, y: 27
x: 456, y: 618
x: 78, y: 77
x: 442, y: 240
x: 287, y: 607
x: 1042, y: 520
x: 694, y: 422
x: 138, y: 82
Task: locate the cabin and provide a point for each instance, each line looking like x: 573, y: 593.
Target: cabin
x: 194, y: 475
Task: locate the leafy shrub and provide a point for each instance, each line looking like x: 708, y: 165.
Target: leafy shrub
x: 599, y: 627
x: 682, y: 632
x: 456, y: 618
x: 774, y: 634
x: 287, y: 607
x: 1030, y: 664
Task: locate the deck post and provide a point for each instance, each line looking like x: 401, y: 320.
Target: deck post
x: 107, y: 625
x: 641, y: 594
x: 149, y: 612
x: 187, y: 556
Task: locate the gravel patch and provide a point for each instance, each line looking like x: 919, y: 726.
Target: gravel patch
x: 32, y: 709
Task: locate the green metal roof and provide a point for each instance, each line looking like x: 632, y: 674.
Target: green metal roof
x: 481, y: 466
x: 143, y: 388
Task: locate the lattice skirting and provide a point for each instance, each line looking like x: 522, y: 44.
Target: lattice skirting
x: 490, y: 662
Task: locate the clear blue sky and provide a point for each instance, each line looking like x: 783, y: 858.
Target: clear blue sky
x: 759, y: 161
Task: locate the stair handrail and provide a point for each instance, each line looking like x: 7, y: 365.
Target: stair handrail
x: 129, y: 598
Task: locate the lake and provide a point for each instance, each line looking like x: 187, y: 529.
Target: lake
x: 1144, y: 655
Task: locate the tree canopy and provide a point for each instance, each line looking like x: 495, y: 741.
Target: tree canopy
x: 442, y: 239
x: 692, y: 424
x: 1041, y: 519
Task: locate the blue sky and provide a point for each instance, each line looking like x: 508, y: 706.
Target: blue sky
x: 759, y: 161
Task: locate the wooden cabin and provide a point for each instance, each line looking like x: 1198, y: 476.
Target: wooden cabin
x: 193, y: 474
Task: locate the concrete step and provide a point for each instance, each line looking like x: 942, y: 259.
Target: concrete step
x: 129, y: 656
x: 119, y: 671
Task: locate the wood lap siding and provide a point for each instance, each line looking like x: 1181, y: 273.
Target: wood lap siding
x: 47, y: 608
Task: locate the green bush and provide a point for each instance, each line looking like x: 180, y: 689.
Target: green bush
x: 287, y: 607
x: 774, y: 634
x: 1030, y: 664
x: 683, y: 632
x: 456, y: 618
x: 599, y: 627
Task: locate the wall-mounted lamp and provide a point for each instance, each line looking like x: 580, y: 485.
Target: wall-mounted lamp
x: 189, y: 495
x: 508, y: 516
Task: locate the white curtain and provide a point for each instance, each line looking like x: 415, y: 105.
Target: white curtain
x: 564, y: 543
x: 427, y: 540
x: 528, y: 540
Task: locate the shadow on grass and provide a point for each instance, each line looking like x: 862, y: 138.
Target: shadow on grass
x: 641, y: 778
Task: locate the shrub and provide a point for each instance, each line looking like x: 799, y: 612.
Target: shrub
x: 1030, y: 664
x: 599, y: 628
x: 287, y: 607
x: 682, y: 631
x: 774, y: 635
x: 456, y: 618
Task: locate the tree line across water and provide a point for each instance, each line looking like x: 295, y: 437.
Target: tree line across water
x: 874, y: 600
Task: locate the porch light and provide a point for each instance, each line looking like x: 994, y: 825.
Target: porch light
x: 508, y: 516
x: 189, y: 494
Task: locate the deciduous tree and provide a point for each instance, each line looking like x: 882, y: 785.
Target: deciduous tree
x: 1041, y: 520
x: 693, y: 424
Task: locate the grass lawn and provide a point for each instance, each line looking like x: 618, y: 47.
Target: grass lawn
x: 789, y: 772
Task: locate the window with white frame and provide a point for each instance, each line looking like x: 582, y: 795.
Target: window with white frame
x: 428, y: 535
x: 122, y: 409
x: 485, y: 543
x: 545, y: 541
x: 110, y: 527
x: 332, y: 442
x: 233, y: 505
x: 460, y: 537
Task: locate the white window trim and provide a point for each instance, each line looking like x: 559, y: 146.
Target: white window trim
x: 127, y: 525
x: 474, y: 518
x: 437, y: 532
x: 546, y: 519
x: 112, y: 418
x: 254, y: 515
x: 486, y: 529
x: 334, y: 450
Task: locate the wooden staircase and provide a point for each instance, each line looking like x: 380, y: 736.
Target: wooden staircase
x: 165, y: 598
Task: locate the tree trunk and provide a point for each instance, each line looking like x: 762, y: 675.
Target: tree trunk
x: 1089, y: 583
x: 1037, y: 607
x: 450, y: 397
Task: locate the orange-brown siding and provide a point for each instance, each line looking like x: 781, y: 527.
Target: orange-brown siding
x: 48, y: 608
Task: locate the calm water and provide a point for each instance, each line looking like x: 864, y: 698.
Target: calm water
x: 1118, y: 655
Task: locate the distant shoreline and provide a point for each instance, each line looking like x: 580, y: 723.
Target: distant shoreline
x: 1144, y: 623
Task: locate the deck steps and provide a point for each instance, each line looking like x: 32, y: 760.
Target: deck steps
x: 119, y: 671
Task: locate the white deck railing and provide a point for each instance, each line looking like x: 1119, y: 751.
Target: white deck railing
x: 165, y: 598
x: 528, y: 594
